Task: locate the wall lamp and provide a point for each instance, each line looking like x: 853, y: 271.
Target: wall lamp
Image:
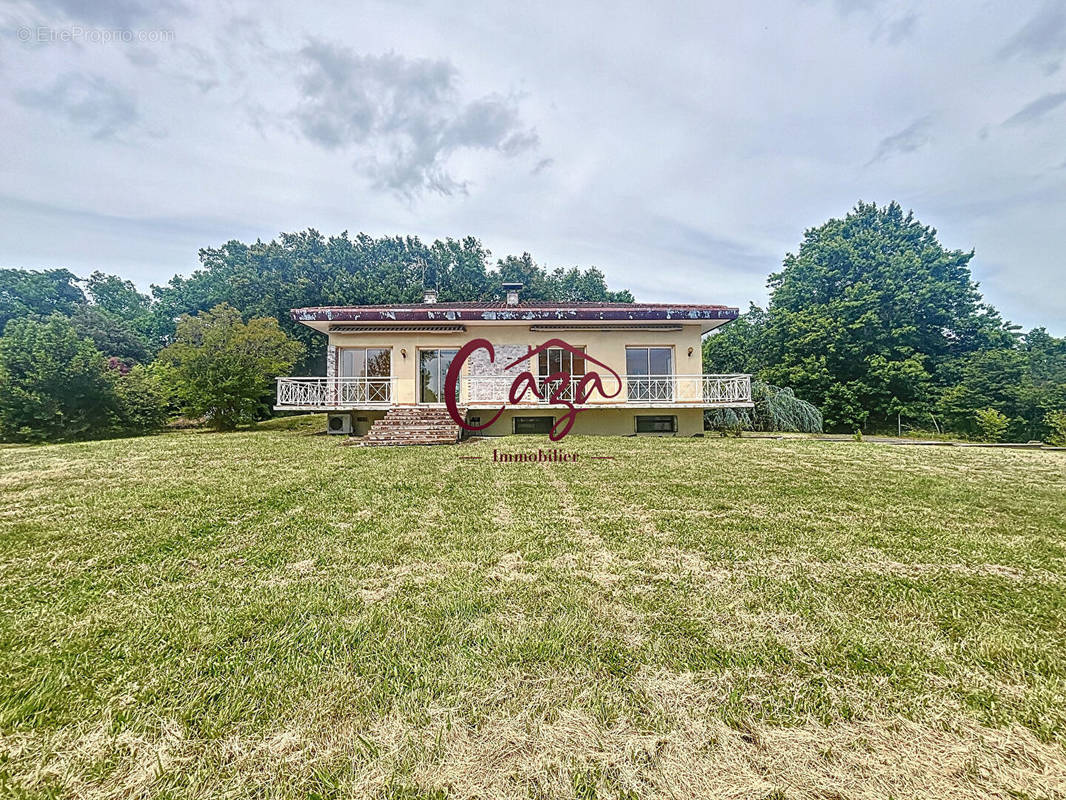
x: 690, y: 351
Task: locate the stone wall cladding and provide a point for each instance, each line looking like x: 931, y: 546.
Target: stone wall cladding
x: 331, y: 361
x: 479, y: 366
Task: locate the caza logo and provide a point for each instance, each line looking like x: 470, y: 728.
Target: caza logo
x: 558, y: 385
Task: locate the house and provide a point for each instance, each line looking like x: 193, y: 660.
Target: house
x: 625, y: 368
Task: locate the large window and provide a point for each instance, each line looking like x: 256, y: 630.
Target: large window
x: 555, y: 360
x: 542, y: 425
x: 370, y: 371
x: 649, y: 372
x: 433, y: 370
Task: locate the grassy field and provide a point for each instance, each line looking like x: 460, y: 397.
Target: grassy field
x: 268, y: 613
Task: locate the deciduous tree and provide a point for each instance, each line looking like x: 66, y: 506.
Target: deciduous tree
x: 223, y: 369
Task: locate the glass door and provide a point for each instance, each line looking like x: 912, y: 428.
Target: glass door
x: 367, y: 374
x: 432, y: 372
x: 649, y: 373
x: 555, y: 360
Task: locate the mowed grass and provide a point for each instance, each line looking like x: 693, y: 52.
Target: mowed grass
x: 268, y: 613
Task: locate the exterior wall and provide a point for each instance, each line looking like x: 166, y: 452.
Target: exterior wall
x: 362, y: 420
x: 597, y: 421
x: 606, y: 346
x: 331, y: 360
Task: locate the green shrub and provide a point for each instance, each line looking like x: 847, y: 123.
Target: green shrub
x: 143, y: 400
x: 1056, y: 422
x: 222, y: 369
x: 54, y: 385
x: 992, y: 424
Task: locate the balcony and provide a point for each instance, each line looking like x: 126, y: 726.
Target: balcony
x: 314, y: 394
x: 640, y: 391
x: 637, y: 391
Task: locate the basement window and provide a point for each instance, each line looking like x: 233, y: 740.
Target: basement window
x: 541, y: 425
x: 657, y: 424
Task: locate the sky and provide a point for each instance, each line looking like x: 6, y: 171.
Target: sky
x: 683, y: 148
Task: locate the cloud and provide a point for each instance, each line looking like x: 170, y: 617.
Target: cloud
x: 724, y: 252
x: 897, y: 30
x: 404, y: 117
x: 119, y: 13
x: 87, y: 101
x: 893, y: 29
x: 1042, y: 38
x: 1036, y: 110
x: 913, y: 137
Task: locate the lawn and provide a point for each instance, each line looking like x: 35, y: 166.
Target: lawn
x: 268, y: 613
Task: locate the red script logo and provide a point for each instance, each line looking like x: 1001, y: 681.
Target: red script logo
x: 559, y: 383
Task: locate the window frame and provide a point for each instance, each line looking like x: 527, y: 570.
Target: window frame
x: 419, y: 386
x: 649, y: 387
x: 544, y: 369
x: 527, y: 417
x: 638, y: 417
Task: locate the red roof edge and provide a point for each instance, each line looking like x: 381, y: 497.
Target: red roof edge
x: 500, y: 312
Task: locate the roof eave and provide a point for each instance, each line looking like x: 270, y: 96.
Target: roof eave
x: 516, y: 315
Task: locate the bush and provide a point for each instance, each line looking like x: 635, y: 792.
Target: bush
x: 53, y: 384
x: 143, y: 400
x: 775, y: 409
x: 992, y: 424
x: 222, y: 368
x: 1056, y: 423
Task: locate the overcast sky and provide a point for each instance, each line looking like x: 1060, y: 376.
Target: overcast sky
x: 682, y: 148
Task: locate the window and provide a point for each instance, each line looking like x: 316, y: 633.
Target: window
x: 663, y: 424
x: 649, y: 373
x: 433, y: 369
x: 542, y: 425
x: 369, y: 370
x: 554, y: 360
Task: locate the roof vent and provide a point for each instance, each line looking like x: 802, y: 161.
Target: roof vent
x: 512, y: 290
x: 429, y: 296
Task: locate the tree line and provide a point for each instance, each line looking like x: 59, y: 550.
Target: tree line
x: 875, y: 322
x: 84, y: 358
x: 872, y: 321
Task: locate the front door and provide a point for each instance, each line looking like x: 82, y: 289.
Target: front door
x: 432, y: 371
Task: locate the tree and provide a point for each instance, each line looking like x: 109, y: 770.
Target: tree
x: 112, y: 335
x: 774, y: 409
x: 53, y: 384
x: 223, y: 368
x: 267, y: 279
x: 121, y: 300
x: 39, y: 293
x: 864, y: 318
x: 118, y: 296
x: 739, y: 346
x: 144, y: 399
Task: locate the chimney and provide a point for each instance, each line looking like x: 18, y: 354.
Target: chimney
x: 512, y: 290
x: 429, y: 295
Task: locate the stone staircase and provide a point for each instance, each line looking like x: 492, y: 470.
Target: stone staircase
x: 408, y: 425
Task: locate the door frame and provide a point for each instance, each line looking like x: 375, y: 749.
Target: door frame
x: 418, y: 374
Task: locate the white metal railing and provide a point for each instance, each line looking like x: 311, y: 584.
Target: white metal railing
x: 699, y: 390
x: 727, y: 389
x: 334, y: 392
x: 694, y: 389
